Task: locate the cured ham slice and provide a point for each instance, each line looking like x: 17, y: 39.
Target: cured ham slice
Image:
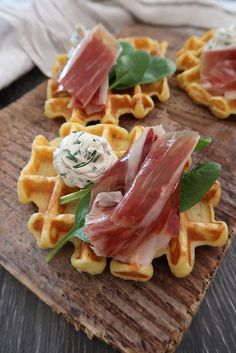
x: 218, y: 71
x: 97, y: 102
x: 99, y: 99
x: 89, y: 65
x: 147, y: 216
x: 121, y: 175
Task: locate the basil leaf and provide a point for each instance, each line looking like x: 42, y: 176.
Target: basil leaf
x: 130, y: 69
x: 80, y: 214
x: 157, y: 69
x: 202, y: 143
x: 196, y: 182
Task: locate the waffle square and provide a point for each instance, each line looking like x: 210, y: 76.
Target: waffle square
x: 137, y: 101
x: 39, y: 183
x: 188, y: 62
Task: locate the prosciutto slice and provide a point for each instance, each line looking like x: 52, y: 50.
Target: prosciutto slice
x: 89, y: 64
x: 144, y: 216
x: 218, y: 71
x: 99, y: 99
x: 97, y: 102
x: 121, y: 175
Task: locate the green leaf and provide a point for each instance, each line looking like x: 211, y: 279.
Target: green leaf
x: 158, y: 68
x: 80, y: 234
x: 126, y: 48
x: 202, y: 143
x: 80, y: 214
x: 74, y: 195
x: 196, y: 182
x: 81, y: 211
x: 130, y: 69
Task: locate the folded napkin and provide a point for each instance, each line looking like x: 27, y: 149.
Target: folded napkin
x: 32, y: 32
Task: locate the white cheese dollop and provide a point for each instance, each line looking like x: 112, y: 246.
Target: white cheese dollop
x: 82, y: 158
x: 222, y: 38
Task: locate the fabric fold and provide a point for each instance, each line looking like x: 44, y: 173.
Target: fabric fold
x: 42, y: 28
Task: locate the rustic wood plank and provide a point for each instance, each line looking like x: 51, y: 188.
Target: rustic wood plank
x: 28, y: 325
x: 161, y: 310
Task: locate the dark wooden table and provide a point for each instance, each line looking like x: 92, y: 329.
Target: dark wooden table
x: 28, y: 325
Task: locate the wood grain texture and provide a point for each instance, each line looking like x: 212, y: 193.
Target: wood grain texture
x: 150, y: 317
x: 28, y: 325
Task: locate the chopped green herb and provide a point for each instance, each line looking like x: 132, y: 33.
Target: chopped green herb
x: 71, y: 157
x: 96, y: 157
x: 90, y: 156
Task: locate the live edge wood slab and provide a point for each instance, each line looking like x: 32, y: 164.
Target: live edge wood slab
x: 133, y: 317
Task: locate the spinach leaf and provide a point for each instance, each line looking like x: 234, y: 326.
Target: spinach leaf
x: 126, y: 48
x: 130, y: 69
x: 80, y: 214
x: 202, y: 143
x: 157, y: 69
x: 196, y: 182
x: 138, y: 67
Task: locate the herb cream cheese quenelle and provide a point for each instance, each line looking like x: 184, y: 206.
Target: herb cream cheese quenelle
x: 82, y: 158
x: 223, y: 37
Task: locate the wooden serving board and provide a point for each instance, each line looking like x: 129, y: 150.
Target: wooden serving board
x: 133, y: 317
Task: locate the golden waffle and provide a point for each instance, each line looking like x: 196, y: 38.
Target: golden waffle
x: 137, y: 101
x: 197, y: 227
x: 40, y: 184
x: 188, y: 61
x: 132, y: 272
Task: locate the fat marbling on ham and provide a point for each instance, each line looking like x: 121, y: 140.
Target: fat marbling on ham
x: 85, y: 74
x: 135, y: 206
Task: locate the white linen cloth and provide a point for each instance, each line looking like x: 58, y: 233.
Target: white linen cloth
x: 32, y: 32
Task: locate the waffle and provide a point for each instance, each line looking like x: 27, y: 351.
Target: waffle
x: 188, y: 61
x: 137, y: 101
x: 40, y: 184
x: 197, y: 227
